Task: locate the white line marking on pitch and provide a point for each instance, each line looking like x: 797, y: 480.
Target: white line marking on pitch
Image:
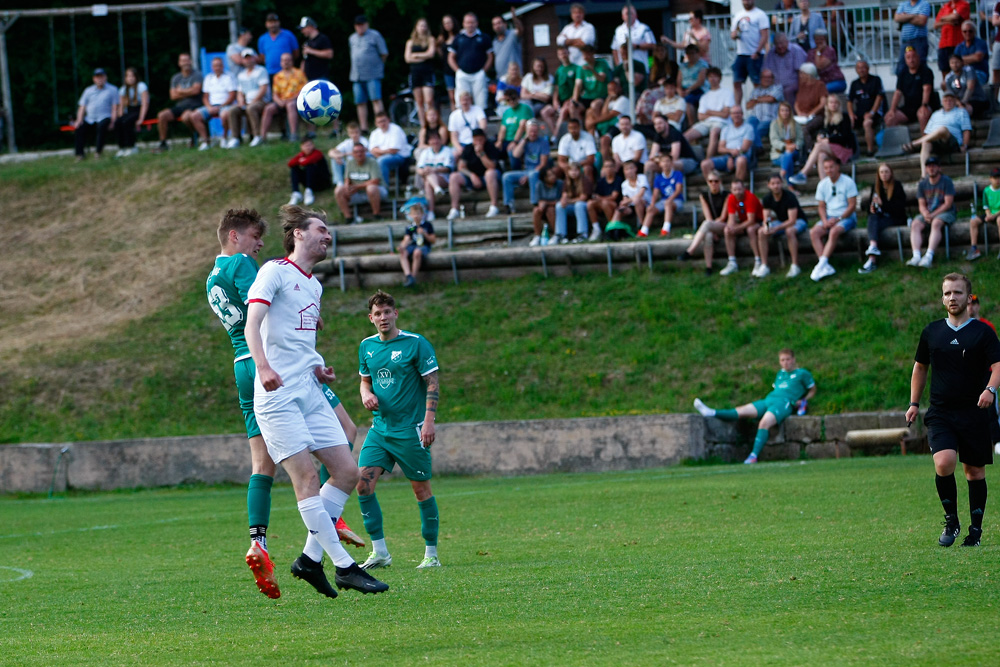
x: 23, y: 574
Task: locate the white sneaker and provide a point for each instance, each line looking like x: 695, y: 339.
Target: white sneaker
x: 309, y: 197
x: 429, y: 561
x: 822, y: 271
x: 453, y: 214
x: 256, y: 141
x: 915, y: 260
x: 296, y: 199
x: 430, y: 214
x: 814, y: 274
x: 375, y: 561
x: 873, y: 250
x: 793, y: 271
x: 204, y: 146
x: 536, y: 241
x: 763, y: 271
x: 492, y: 211
x: 122, y: 152
x: 232, y: 142
x: 731, y: 268
x: 926, y: 261
x: 438, y: 191
x: 556, y: 240
x: 595, y: 233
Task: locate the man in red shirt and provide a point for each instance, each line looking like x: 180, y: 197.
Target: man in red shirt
x: 745, y: 214
x: 949, y: 20
x: 974, y: 311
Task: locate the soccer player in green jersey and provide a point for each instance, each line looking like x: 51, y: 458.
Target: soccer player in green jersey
x: 791, y: 385
x: 399, y: 384
x: 240, y: 233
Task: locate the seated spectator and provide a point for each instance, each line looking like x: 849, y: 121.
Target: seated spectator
x: 735, y: 148
x: 417, y: 240
x: 936, y: 201
x: 602, y: 116
x: 308, y: 169
x: 948, y: 131
x: 635, y: 199
x: 824, y: 57
x: 627, y: 145
x: 784, y: 60
x: 671, y: 105
x: 576, y: 193
x: 786, y: 138
x: 713, y: 112
x: 663, y: 67
x: 864, y: 104
x: 834, y: 136
x: 620, y: 72
x: 913, y: 98
x: 478, y: 168
x: 577, y: 146
x: 811, y: 96
x: 463, y: 120
x: 513, y: 122
x: 531, y: 152
x: 134, y: 105
x: 536, y: 91
x: 836, y: 203
x: 362, y: 183
x: 252, y: 95
x: 185, y: 96
x: 342, y: 151
x: 693, y: 73
x: 562, y: 91
x: 715, y: 214
x: 991, y: 213
x: 550, y: 190
x: 434, y: 166
x: 218, y: 93
x: 96, y: 113
x: 667, y: 197
x: 645, y: 105
x: 432, y: 125
x: 591, y: 85
x: 783, y: 216
x: 604, y: 202
x: 887, y: 209
x: 743, y: 216
x: 667, y: 140
x: 974, y: 52
x: 763, y: 106
x: 286, y: 83
x: 390, y: 147
x: 963, y: 81
x: 511, y: 80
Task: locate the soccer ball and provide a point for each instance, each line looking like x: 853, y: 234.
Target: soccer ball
x: 319, y: 102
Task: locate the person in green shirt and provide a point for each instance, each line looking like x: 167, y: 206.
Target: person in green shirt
x: 399, y: 384
x: 791, y: 385
x: 562, y: 92
x: 592, y: 79
x: 513, y: 120
x: 991, y: 213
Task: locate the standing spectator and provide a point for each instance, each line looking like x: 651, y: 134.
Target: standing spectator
x: 949, y: 21
x: 507, y: 44
x: 974, y: 52
x: 308, y: 169
x: 317, y: 51
x: 783, y: 216
x: 252, y: 95
x: 417, y: 240
x: 865, y: 102
x: 435, y: 164
x: 96, y: 112
x: 693, y: 71
x: 936, y: 201
x: 536, y: 90
x: 668, y: 197
x: 948, y: 131
x: 529, y: 155
x: 787, y: 139
x: 134, y: 102
x: 390, y: 147
x: 887, y: 209
x: 464, y: 120
x: 667, y: 140
x: 362, y: 183
x: 991, y: 213
x: 671, y: 105
x: 432, y: 125
x: 575, y: 34
x: 284, y: 95
x: 736, y: 151
x: 912, y: 17
x: 444, y: 40
x: 368, y: 54
x: 914, y: 94
x: 713, y: 112
x: 784, y: 60
x: 185, y: 95
x: 550, y: 190
x: 234, y: 51
x: 513, y: 121
x: 713, y: 210
x: 763, y: 105
x: 470, y: 55
x: 743, y: 216
x: 419, y: 54
x: 963, y: 81
x: 273, y: 43
x: 695, y: 35
x: 562, y: 92
x: 478, y: 168
x: 642, y: 43
x: 577, y: 189
x: 811, y: 96
x: 824, y: 57
x: 607, y: 193
x: 995, y: 56
x: 804, y: 26
x: 836, y: 203
x: 342, y: 151
x: 579, y: 147
x: 750, y: 31
x: 627, y: 145
x: 834, y: 137
x: 218, y: 92
x: 635, y: 199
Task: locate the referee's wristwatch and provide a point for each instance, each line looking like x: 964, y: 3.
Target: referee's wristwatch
x: 992, y: 390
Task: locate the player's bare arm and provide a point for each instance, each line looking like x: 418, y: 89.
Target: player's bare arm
x: 368, y: 397
x: 986, y: 398
x: 255, y: 316
x: 918, y: 380
x: 430, y: 413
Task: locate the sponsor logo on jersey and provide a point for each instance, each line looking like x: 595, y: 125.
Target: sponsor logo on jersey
x: 308, y: 318
x: 396, y: 355
x: 430, y: 361
x: 384, y: 378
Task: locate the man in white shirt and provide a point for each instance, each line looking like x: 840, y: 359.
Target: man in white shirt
x: 463, y: 121
x: 628, y: 145
x: 253, y: 87
x: 218, y: 92
x: 836, y: 203
x: 642, y: 42
x: 750, y: 32
x: 388, y: 144
x: 576, y: 34
x: 579, y: 147
x: 735, y: 148
x: 713, y: 112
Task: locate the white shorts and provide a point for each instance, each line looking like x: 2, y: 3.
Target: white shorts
x: 296, y: 417
x: 995, y: 60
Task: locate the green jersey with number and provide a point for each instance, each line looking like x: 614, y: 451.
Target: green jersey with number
x: 227, y: 288
x: 792, y: 385
x: 397, y: 368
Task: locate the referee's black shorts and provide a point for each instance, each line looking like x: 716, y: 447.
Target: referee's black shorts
x: 969, y: 431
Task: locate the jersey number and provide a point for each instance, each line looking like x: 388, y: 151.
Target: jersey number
x: 219, y: 302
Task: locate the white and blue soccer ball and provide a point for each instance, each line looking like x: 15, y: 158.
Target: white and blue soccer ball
x: 319, y: 102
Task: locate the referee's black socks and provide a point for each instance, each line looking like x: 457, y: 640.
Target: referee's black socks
x: 977, y: 501
x: 948, y: 493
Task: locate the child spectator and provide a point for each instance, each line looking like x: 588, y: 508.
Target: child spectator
x: 342, y: 151
x: 991, y: 213
x: 511, y: 80
x: 607, y: 193
x: 308, y: 169
x: 671, y: 106
x: 668, y: 196
x: 417, y: 240
x: 134, y: 96
x: 550, y: 190
x: 635, y: 199
x: 575, y: 196
x: 435, y: 164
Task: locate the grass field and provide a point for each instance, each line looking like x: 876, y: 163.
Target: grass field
x: 819, y: 562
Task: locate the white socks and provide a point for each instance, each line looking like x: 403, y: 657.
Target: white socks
x: 703, y: 409
x: 430, y: 552
x: 378, y: 546
x: 320, y: 525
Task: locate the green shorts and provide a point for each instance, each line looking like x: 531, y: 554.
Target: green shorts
x: 779, y: 407
x: 381, y: 450
x: 245, y: 372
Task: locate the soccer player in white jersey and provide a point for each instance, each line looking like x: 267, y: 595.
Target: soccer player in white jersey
x: 293, y: 414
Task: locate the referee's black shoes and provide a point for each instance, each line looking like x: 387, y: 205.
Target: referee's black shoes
x: 951, y: 530
x: 972, y: 539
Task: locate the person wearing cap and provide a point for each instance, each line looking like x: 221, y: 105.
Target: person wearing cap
x: 252, y: 95
x: 362, y: 184
x: 368, y: 55
x: 991, y: 213
x: 912, y: 17
x: 824, y: 57
x: 948, y: 130
x: 273, y: 43
x: 96, y: 112
x: 185, y: 95
x: 218, y: 92
x: 470, y: 55
x: 417, y: 239
x: 317, y: 51
x: 234, y: 52
x: 936, y: 201
x: 308, y: 169
x: 478, y: 169
x: 974, y: 312
x: 914, y: 95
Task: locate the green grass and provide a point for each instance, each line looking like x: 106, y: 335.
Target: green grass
x: 820, y: 562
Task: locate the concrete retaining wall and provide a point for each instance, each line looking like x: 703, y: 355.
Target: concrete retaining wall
x: 495, y: 448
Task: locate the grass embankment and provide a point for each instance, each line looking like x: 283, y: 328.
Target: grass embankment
x: 106, y: 332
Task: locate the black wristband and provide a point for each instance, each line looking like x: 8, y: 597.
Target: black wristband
x: 914, y: 405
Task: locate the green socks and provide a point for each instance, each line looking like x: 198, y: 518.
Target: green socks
x: 759, y: 441
x: 259, y: 503
x: 428, y: 521
x: 726, y: 415
x: 371, y: 514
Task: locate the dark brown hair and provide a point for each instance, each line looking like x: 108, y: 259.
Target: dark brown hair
x: 240, y: 220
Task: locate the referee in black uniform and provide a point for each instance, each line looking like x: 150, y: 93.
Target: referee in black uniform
x: 961, y: 420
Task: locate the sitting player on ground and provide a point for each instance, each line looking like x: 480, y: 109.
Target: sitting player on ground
x: 791, y: 385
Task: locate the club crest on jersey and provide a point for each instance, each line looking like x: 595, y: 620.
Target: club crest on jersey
x: 384, y: 378
x: 308, y: 317
x: 397, y: 355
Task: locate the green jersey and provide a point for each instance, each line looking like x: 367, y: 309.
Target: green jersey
x: 512, y: 118
x: 593, y: 87
x: 991, y: 200
x: 227, y: 288
x: 792, y: 386
x: 396, y: 368
x: 565, y: 79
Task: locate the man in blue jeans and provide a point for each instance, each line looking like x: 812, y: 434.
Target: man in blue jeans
x: 368, y: 54
x: 533, y: 151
